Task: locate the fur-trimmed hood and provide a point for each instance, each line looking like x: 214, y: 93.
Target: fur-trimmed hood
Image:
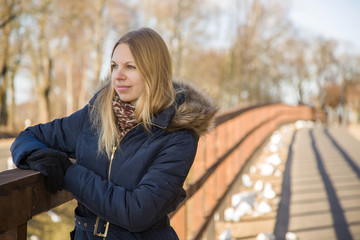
x: 194, y: 110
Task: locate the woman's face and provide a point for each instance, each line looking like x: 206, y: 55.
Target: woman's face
x: 125, y: 77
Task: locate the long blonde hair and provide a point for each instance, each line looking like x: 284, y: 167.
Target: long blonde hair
x: 153, y: 61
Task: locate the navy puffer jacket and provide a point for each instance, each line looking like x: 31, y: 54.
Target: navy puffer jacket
x: 147, y: 172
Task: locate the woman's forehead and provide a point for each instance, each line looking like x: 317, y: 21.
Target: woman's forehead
x: 122, y: 53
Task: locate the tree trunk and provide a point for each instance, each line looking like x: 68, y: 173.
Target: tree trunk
x: 44, y: 107
x: 3, y: 106
x: 83, y: 90
x: 12, y: 112
x: 99, y: 41
x: 3, y: 75
x: 48, y: 81
x: 69, y: 87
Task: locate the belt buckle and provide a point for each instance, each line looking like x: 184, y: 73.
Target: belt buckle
x: 100, y: 234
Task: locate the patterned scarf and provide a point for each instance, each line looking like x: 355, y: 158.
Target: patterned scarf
x: 124, y: 115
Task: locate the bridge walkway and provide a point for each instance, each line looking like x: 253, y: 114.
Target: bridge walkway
x: 317, y: 195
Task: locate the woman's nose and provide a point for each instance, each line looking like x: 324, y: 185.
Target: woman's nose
x: 119, y: 73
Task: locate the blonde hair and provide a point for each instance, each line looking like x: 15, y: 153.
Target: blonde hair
x: 153, y: 61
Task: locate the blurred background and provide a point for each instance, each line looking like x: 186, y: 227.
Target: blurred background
x: 53, y: 53
x: 243, y: 52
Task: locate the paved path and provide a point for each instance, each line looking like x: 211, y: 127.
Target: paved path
x: 321, y: 187
x: 317, y: 194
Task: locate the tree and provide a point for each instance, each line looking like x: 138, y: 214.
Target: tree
x: 325, y: 63
x: 88, y: 31
x: 350, y: 83
x: 9, y: 11
x: 182, y: 23
x: 42, y: 57
x: 15, y: 57
x: 253, y: 59
x: 297, y: 67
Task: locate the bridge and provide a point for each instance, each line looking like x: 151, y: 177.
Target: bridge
x: 242, y: 185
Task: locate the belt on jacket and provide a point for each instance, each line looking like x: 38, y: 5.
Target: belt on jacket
x: 100, y: 227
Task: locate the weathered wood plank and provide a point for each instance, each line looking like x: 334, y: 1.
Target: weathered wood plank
x: 23, y: 195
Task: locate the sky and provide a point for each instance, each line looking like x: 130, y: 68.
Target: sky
x: 333, y: 19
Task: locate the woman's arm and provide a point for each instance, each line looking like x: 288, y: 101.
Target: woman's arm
x: 156, y: 194
x: 60, y: 134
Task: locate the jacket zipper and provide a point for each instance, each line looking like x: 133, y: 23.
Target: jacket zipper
x: 109, y: 173
x: 114, y: 150
x: 111, y: 160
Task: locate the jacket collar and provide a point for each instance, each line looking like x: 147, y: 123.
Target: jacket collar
x: 163, y: 118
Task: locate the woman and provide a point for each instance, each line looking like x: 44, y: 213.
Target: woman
x: 134, y: 144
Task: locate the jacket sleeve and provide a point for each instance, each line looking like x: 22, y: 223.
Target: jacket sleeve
x: 155, y: 196
x: 60, y: 134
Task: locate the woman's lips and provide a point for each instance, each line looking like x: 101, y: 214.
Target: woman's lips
x: 122, y: 88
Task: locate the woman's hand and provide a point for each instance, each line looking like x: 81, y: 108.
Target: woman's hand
x: 52, y: 164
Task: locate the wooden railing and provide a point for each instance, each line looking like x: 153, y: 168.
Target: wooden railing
x: 22, y: 196
x: 220, y: 157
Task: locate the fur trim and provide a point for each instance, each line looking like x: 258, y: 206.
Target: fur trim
x: 197, y: 113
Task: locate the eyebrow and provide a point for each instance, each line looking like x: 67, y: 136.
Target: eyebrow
x: 112, y: 61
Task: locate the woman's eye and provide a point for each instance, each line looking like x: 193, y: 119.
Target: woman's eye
x: 113, y: 66
x: 131, y: 67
